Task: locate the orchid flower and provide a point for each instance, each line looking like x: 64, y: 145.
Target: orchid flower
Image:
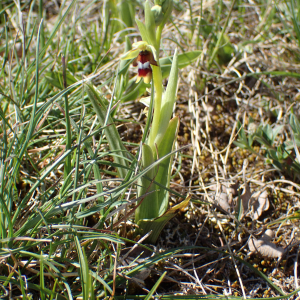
x: 144, y: 55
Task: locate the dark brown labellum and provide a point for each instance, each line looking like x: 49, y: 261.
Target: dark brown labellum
x: 143, y: 62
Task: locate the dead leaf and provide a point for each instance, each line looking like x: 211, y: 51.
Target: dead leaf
x: 264, y: 246
x: 254, y: 203
x: 223, y: 201
x: 227, y: 187
x: 225, y: 196
x: 245, y: 198
x: 260, y: 204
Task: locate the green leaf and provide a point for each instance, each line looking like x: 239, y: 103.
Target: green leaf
x: 156, y: 225
x: 250, y: 140
x: 205, y: 28
x: 134, y: 90
x: 167, y: 6
x: 149, y: 207
x: 226, y: 50
x: 84, y: 270
x: 52, y: 35
x: 168, y: 101
x: 241, y: 131
x: 22, y: 285
x: 42, y: 278
x: 266, y: 135
x: 126, y: 12
x: 154, y: 288
x: 294, y: 122
x: 184, y: 59
x: 111, y: 131
x: 163, y: 174
x: 243, y: 142
x: 276, y: 131
x: 143, y: 31
x: 241, y: 145
x: 56, y: 79
x: 150, y: 24
x: 239, y: 208
x: 273, y: 154
x: 122, y: 77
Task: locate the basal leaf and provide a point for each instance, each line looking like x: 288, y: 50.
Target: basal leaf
x: 149, y: 207
x: 156, y: 225
x: 163, y: 174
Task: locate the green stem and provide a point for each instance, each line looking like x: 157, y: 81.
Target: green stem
x: 158, y: 38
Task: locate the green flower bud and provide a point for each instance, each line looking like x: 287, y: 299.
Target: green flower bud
x: 166, y: 9
x: 158, y: 14
x: 166, y: 5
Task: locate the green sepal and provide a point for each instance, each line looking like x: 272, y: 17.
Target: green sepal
x: 157, y: 225
x: 130, y: 54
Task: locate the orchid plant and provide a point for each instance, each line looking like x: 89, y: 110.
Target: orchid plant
x: 151, y: 213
